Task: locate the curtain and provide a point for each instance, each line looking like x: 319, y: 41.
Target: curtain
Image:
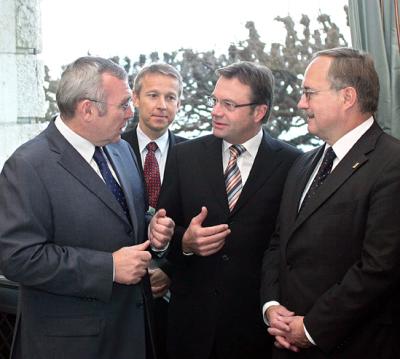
x: 375, y: 28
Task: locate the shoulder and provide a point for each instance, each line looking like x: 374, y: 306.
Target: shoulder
x: 281, y: 147
x: 129, y: 135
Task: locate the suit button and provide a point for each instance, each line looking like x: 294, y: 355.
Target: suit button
x: 289, y: 267
x: 225, y: 257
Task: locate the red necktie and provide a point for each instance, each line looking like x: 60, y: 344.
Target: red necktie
x: 152, y: 174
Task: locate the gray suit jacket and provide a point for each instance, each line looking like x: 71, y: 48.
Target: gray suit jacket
x: 59, y: 225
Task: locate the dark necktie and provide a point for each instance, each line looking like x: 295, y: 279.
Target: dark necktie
x: 233, y: 179
x: 152, y: 174
x: 109, y: 179
x: 323, y: 172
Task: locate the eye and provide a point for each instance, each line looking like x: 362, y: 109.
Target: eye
x: 171, y: 98
x: 228, y: 105
x: 152, y: 95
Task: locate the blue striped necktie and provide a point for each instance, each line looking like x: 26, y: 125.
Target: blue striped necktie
x: 109, y: 179
x: 233, y: 179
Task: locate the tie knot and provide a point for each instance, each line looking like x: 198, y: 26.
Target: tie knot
x: 98, y: 155
x: 152, y: 146
x: 330, y: 155
x: 236, y: 150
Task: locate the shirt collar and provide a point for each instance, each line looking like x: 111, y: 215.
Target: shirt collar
x: 82, y: 145
x: 143, y: 140
x: 250, y: 145
x: 345, y: 143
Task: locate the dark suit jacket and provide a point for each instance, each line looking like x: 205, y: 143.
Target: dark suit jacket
x: 215, y: 299
x: 131, y: 137
x: 59, y: 225
x: 338, y: 262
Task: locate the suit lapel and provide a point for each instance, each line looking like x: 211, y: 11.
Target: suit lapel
x: 349, y: 165
x: 213, y: 171
x: 74, y: 163
x: 122, y: 171
x: 264, y: 166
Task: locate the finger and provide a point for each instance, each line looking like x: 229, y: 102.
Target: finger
x: 142, y: 246
x: 211, y: 248
x: 199, y: 219
x: 283, y: 342
x: 210, y: 231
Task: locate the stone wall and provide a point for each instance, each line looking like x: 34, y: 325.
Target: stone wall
x: 22, y: 99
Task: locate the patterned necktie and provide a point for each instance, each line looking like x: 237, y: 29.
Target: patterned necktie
x: 152, y: 174
x: 109, y: 179
x: 323, y: 172
x: 233, y: 180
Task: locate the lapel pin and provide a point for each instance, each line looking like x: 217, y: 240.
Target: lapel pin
x: 356, y: 165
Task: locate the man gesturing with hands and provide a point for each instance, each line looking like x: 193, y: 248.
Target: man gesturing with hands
x: 223, y: 192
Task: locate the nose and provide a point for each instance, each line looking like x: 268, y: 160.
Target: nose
x: 161, y: 102
x: 303, y: 103
x: 217, y: 110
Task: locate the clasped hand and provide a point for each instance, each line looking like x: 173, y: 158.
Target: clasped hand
x: 287, y: 328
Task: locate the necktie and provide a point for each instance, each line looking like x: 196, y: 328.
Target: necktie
x: 233, y: 180
x: 152, y: 174
x: 109, y: 179
x: 323, y: 172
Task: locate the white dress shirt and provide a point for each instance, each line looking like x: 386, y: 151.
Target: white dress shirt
x: 246, y: 159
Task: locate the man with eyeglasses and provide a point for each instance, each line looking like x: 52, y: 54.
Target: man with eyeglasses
x: 73, y: 227
x: 331, y: 276
x: 157, y: 91
x: 223, y: 192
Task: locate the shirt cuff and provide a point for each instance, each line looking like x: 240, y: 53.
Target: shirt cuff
x: 308, y: 335
x: 159, y: 251
x: 265, y: 308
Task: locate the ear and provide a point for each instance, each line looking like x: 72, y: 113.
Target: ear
x: 350, y: 97
x: 135, y: 99
x: 260, y: 111
x: 85, y: 109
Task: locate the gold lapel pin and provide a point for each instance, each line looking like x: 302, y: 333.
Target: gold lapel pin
x: 356, y: 165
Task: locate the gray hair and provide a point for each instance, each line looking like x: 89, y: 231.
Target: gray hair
x: 353, y: 68
x: 258, y: 77
x: 82, y: 80
x: 157, y: 68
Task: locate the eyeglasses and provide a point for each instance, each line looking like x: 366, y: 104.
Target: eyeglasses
x: 123, y: 106
x: 227, y: 105
x: 307, y: 92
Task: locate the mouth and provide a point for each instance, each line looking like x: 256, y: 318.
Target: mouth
x: 218, y: 124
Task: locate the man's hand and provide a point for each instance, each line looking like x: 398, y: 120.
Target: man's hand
x: 204, y: 241
x: 161, y: 229
x: 159, y: 282
x: 296, y: 334
x: 279, y: 319
x: 131, y: 263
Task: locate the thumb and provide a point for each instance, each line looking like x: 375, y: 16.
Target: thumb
x: 199, y: 219
x: 142, y: 246
x: 161, y: 213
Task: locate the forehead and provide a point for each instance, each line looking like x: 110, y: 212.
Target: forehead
x: 159, y: 82
x: 115, y: 87
x: 317, y: 72
x: 232, y: 89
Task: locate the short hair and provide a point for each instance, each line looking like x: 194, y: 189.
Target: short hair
x: 82, y: 79
x: 354, y: 68
x: 258, y: 77
x: 157, y: 68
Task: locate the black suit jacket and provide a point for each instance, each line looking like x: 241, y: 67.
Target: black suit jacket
x: 131, y: 137
x: 337, y: 262
x: 214, y: 299
x: 59, y: 224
